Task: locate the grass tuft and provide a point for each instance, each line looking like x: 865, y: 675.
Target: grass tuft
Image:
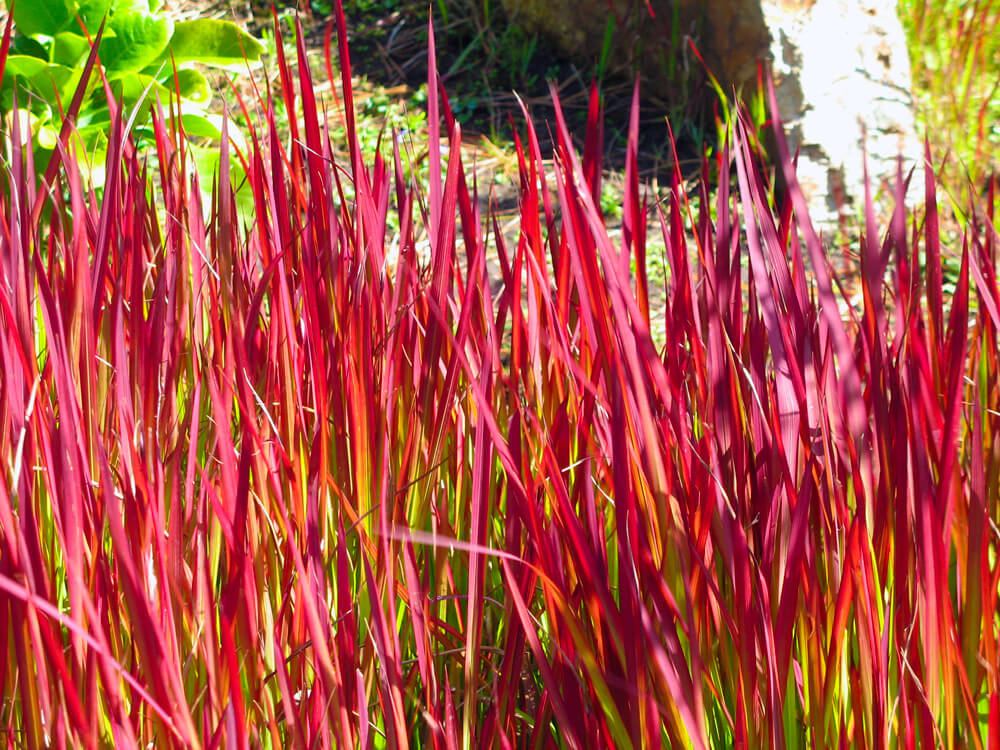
x: 279, y: 478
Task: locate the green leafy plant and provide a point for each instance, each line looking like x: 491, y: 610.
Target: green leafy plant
x: 144, y: 56
x: 955, y: 56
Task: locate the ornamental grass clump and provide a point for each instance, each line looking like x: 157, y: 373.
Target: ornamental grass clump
x: 261, y: 491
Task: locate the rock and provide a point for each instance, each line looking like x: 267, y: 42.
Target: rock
x: 842, y: 76
x: 730, y: 34
x: 841, y: 69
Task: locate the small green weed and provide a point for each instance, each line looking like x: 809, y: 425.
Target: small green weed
x: 955, y: 56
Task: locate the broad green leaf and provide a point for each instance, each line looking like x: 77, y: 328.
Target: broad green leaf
x: 213, y: 42
x: 56, y: 79
x: 47, y: 136
x: 206, y: 125
x: 25, y: 45
x: 89, y: 144
x: 42, y: 79
x: 95, y: 115
x: 69, y: 49
x: 23, y: 66
x: 91, y: 147
x: 201, y: 126
x: 206, y: 161
x: 192, y: 84
x: 23, y: 98
x: 120, y: 7
x: 132, y: 89
x: 92, y: 12
x: 139, y: 39
x: 43, y: 16
x: 24, y: 122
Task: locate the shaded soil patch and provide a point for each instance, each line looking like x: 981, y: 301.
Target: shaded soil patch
x: 486, y: 66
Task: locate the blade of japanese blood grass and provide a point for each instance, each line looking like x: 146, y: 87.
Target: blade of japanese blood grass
x: 318, y: 182
x: 110, y: 219
x: 68, y: 124
x: 873, y: 332
x: 717, y: 265
x: 12, y: 541
x: 18, y: 230
x: 631, y: 540
x: 873, y: 264
x: 993, y: 722
x: 19, y: 361
x: 482, y: 459
x: 873, y: 643
x: 634, y: 213
x: 836, y: 627
x: 534, y: 188
x: 510, y: 299
x: 278, y: 226
x: 681, y: 318
x: 514, y: 674
x: 594, y: 315
x: 593, y: 146
x: 949, y: 477
x: 537, y: 169
x: 677, y: 327
x: 790, y: 591
x: 954, y: 359
x: 932, y: 253
x: 287, y: 702
x: 159, y: 666
x: 386, y: 608
x: 288, y: 88
x: 238, y: 596
x: 726, y: 267
x: 930, y: 566
x: 416, y: 597
x: 433, y: 141
x: 234, y: 715
x: 149, y: 643
x: 680, y: 665
x: 33, y: 688
x: 443, y: 242
x: 53, y: 647
x: 977, y: 549
x: 222, y: 392
x: 529, y: 214
x: 438, y: 300
x: 984, y: 274
x: 309, y: 321
x: 553, y: 590
x: 225, y: 231
x: 783, y: 319
x: 328, y: 60
x: 269, y: 178
x: 849, y: 380
x: 739, y: 601
x: 567, y: 516
x: 360, y: 175
x: 591, y: 569
x: 612, y: 726
x: 13, y: 588
x: 642, y: 366
x: 31, y: 723
x: 390, y: 670
x: 5, y: 46
x: 566, y: 724
x: 326, y: 665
